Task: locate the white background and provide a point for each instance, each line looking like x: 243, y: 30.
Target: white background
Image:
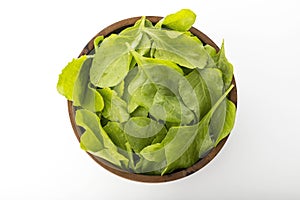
x: 40, y: 156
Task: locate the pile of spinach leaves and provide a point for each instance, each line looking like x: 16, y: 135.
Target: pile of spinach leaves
x: 151, y: 99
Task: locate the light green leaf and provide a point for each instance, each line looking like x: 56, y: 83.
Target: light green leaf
x: 65, y: 84
x: 141, y: 131
x: 96, y: 141
x: 130, y: 76
x: 154, y: 75
x: 115, y: 109
x: 139, y: 112
x: 168, y: 108
x: 210, y: 50
x: 135, y: 30
x: 213, y: 79
x: 191, y: 142
x: 97, y: 42
x: 178, y: 47
x: 142, y: 96
x: 115, y: 132
x: 203, y: 103
x: 183, y: 145
x: 180, y: 21
x: 111, y: 61
x: 224, y: 65
x: 119, y: 89
x: 84, y: 94
x: 229, y: 121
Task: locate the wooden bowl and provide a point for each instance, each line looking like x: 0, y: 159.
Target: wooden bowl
x: 116, y: 28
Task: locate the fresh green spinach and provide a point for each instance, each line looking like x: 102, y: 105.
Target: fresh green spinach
x: 152, y: 99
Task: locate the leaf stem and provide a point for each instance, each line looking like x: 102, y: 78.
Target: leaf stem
x: 136, y: 55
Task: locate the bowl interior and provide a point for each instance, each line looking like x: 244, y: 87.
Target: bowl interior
x: 116, y: 28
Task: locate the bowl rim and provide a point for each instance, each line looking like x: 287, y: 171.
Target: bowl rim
x: 115, y: 28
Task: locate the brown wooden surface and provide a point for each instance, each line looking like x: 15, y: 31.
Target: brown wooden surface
x: 115, y: 28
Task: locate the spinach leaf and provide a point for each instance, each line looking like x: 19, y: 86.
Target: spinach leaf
x: 119, y: 89
x: 178, y: 47
x: 130, y: 76
x: 139, y: 112
x: 152, y: 160
x: 111, y: 62
x: 184, y: 145
x: 203, y: 103
x: 68, y: 76
x: 153, y: 79
x: 115, y: 109
x: 179, y: 21
x: 168, y: 108
x: 97, y: 42
x: 229, y: 121
x: 142, y: 96
x: 191, y: 139
x: 112, y: 59
x: 223, y: 64
x: 84, y: 94
x: 141, y: 131
x: 96, y: 141
x: 115, y: 132
x: 214, y: 82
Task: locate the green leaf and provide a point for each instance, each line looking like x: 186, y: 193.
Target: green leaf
x: 229, y: 121
x: 96, y: 141
x: 210, y: 50
x: 111, y: 62
x: 180, y: 21
x: 178, y: 47
x: 213, y: 79
x: 97, y: 42
x: 151, y: 83
x: 142, y: 96
x: 141, y: 131
x: 139, y: 112
x: 136, y: 28
x: 148, y: 167
x: 203, y: 103
x: 115, y: 132
x: 152, y: 160
x: 144, y: 43
x: 84, y: 94
x: 115, y: 109
x: 168, y: 108
x: 190, y: 142
x: 119, y: 89
x: 65, y: 84
x: 224, y: 65
x: 183, y: 145
x: 130, y: 76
